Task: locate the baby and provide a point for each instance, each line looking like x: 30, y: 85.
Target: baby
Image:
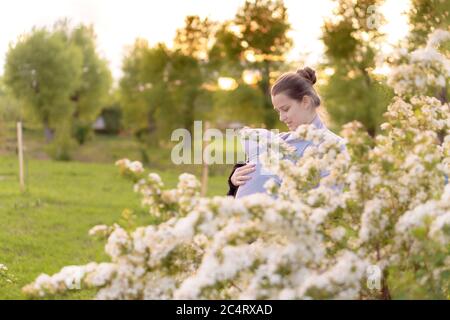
x: 256, y: 143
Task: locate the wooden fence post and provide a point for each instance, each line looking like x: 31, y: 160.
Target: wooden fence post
x: 205, y: 168
x: 20, y: 154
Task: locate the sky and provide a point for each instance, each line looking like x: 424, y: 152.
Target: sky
x: 119, y: 22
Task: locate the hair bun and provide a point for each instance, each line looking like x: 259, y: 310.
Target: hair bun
x: 308, y: 74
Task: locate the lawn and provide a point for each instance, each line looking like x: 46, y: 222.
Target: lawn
x: 46, y: 228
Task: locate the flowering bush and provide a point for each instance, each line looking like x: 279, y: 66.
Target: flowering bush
x: 422, y: 70
x: 381, y: 205
x: 5, y: 277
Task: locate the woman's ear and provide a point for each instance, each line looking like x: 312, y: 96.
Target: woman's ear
x: 307, y: 102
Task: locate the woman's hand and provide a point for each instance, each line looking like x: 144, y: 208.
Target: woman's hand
x: 239, y: 176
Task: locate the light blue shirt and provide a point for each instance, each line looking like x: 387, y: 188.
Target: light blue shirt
x: 259, y: 177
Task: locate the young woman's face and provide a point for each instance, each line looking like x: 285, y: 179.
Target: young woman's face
x: 293, y: 112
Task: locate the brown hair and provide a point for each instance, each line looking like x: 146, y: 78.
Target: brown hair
x: 297, y: 84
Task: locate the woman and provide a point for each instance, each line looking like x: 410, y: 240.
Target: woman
x: 296, y: 101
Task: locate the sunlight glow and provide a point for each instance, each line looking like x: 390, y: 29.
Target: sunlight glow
x: 118, y: 23
x: 226, y: 83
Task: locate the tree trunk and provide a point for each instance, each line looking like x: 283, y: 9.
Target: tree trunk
x: 442, y: 95
x: 269, y: 116
x: 151, y: 123
x: 49, y: 133
x: 190, y: 115
x: 385, y: 294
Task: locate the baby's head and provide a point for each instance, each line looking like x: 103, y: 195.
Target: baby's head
x: 255, y: 142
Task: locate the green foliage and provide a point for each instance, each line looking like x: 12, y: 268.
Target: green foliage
x: 161, y: 90
x: 81, y: 131
x: 62, y: 145
x: 347, y: 98
x: 59, y: 75
x: 10, y: 111
x: 352, y: 93
x: 10, y: 107
x: 143, y: 88
x: 184, y: 84
x: 113, y: 119
x: 245, y: 104
x: 42, y: 69
x: 225, y: 55
x: 192, y: 40
x: 263, y: 25
x: 423, y: 275
x: 96, y: 80
x: 260, y: 29
x: 424, y: 17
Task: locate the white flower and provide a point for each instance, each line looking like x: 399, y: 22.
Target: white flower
x: 437, y: 37
x: 100, y: 231
x: 385, y: 197
x: 136, y: 167
x: 118, y: 243
x: 338, y: 233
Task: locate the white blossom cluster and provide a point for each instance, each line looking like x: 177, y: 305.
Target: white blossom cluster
x: 339, y: 210
x: 132, y: 166
x: 5, y: 277
x: 422, y: 70
x: 164, y: 203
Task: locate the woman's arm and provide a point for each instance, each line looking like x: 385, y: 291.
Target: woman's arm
x: 232, y: 188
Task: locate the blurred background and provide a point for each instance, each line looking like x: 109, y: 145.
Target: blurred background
x: 95, y: 81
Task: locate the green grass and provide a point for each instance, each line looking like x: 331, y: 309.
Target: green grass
x: 46, y: 228
x: 110, y: 148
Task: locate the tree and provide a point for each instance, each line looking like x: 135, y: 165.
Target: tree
x: 351, y: 39
x: 193, y: 39
x: 112, y: 114
x: 10, y: 111
x: 59, y: 74
x: 245, y: 105
x: 191, y: 68
x: 424, y: 17
x: 162, y: 89
x: 10, y: 108
x: 185, y: 79
x: 43, y: 70
x: 91, y: 94
x: 256, y: 39
x: 225, y: 56
x: 143, y: 86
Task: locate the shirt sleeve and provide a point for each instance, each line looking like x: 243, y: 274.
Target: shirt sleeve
x: 232, y: 188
